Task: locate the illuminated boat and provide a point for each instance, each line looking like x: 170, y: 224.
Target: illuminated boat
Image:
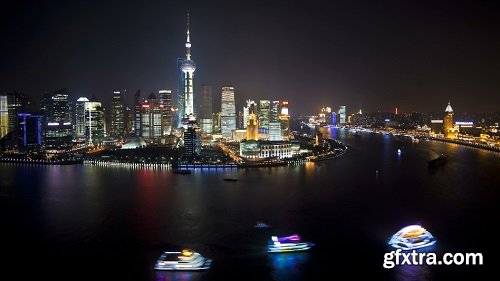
x: 291, y: 243
x: 184, y: 260
x: 260, y: 224
x: 412, y: 237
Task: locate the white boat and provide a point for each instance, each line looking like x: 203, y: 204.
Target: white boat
x: 412, y: 237
x: 260, y: 224
x: 183, y: 260
x: 291, y: 243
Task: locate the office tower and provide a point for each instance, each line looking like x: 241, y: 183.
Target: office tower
x: 188, y: 68
x: 275, y: 131
x: 264, y: 115
x: 284, y: 119
x: 16, y: 103
x: 275, y: 111
x: 151, y: 118
x: 129, y: 120
x: 205, y: 112
x: 228, y: 114
x: 137, y: 113
x: 252, y: 123
x: 192, y: 142
x: 342, y: 115
x: 333, y: 118
x: 57, y: 123
x: 167, y: 114
x: 94, y: 122
x: 80, y: 130
x: 4, y: 117
x: 117, y: 115
x: 29, y: 129
x: 240, y: 120
x: 216, y: 122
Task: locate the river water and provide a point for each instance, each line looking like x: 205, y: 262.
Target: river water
x: 112, y: 223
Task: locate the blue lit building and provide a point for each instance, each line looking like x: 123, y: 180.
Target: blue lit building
x: 29, y: 129
x: 333, y: 118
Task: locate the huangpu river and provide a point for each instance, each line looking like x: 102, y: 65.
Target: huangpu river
x: 82, y: 222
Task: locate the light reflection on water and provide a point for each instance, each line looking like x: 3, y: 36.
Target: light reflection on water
x: 288, y: 266
x: 178, y: 276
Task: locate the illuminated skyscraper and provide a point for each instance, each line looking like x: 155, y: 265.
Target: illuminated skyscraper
x: 252, y: 123
x: 29, y: 129
x: 16, y: 103
x: 80, y: 133
x: 228, y: 114
x: 94, y: 122
x: 275, y: 111
x: 284, y: 120
x: 117, y: 115
x: 342, y: 115
x: 187, y: 67
x: 57, y: 123
x: 192, y: 141
x: 205, y: 112
x: 4, y: 117
x: 137, y: 113
x: 264, y: 115
x: 216, y: 122
x: 167, y: 114
x: 151, y: 118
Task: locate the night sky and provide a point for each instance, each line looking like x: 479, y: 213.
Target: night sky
x: 374, y: 55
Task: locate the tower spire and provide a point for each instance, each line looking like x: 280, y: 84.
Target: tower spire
x: 188, y: 43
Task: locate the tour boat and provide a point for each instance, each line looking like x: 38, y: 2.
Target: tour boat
x: 291, y: 243
x: 183, y: 260
x: 412, y: 237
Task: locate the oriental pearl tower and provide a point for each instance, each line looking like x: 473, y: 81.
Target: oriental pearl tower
x: 188, y: 67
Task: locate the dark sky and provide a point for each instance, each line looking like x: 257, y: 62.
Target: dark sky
x: 373, y: 55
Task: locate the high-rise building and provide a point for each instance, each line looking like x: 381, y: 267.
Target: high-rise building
x: 94, y: 122
x: 29, y: 129
x: 241, y: 125
x: 205, y: 111
x: 192, y: 141
x: 228, y: 114
x: 137, y: 113
x: 275, y: 131
x: 333, y: 118
x: 216, y: 122
x: 80, y: 129
x: 342, y: 115
x: 57, y: 123
x: 167, y: 113
x: 188, y: 68
x: 252, y: 124
x: 275, y: 111
x: 4, y: 117
x: 264, y: 115
x: 16, y: 103
x: 284, y: 119
x: 117, y: 115
x: 129, y: 120
x: 151, y: 118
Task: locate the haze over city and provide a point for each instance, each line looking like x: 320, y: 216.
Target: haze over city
x: 364, y: 54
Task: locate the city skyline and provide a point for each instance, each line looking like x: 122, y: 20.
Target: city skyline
x: 376, y: 57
